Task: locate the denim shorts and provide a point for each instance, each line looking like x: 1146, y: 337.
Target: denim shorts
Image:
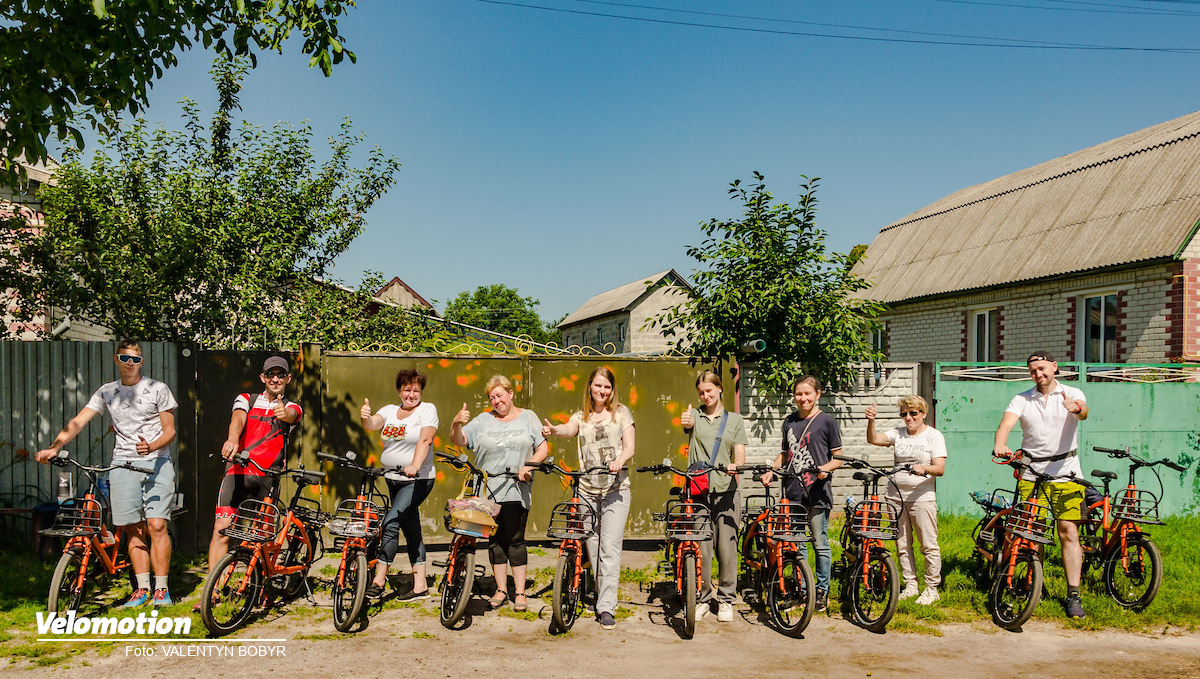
x: 136, y: 497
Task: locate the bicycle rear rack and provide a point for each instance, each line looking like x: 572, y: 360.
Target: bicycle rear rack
x: 255, y: 521
x: 687, y: 520
x: 78, y: 517
x: 571, y: 521
x: 876, y: 519
x: 786, y: 523
x: 1139, y: 506
x: 311, y: 517
x: 1032, y: 521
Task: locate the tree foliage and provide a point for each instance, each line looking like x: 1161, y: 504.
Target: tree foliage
x: 60, y: 58
x: 500, y: 308
x: 768, y: 276
x: 207, y: 235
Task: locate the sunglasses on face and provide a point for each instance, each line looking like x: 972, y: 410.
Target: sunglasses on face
x: 912, y: 413
x: 129, y: 358
x: 275, y: 375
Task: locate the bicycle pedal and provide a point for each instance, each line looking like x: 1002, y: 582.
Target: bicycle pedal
x: 666, y: 568
x: 439, y: 564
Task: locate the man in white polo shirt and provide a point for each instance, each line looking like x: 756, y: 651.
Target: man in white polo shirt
x: 1050, y: 414
x: 143, y: 419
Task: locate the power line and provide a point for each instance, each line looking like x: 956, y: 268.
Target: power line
x: 827, y: 25
x: 1137, y: 11
x: 864, y: 38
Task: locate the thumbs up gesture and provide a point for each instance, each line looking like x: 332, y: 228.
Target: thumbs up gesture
x: 872, y: 411
x: 547, y: 429
x: 686, y: 418
x: 278, y: 408
x: 143, y: 446
x: 365, y: 411
x: 463, y: 416
x: 1071, y: 404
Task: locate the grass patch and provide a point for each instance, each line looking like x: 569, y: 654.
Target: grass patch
x: 322, y: 637
x: 964, y: 601
x: 621, y: 613
x: 640, y: 576
x: 537, y: 551
x: 327, y: 571
x: 423, y: 635
x: 508, y: 612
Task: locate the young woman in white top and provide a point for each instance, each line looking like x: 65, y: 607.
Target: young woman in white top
x: 923, y: 447
x: 605, y: 431
x: 407, y: 433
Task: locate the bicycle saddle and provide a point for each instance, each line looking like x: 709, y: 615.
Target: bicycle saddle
x: 860, y: 476
x: 676, y: 491
x: 1101, y: 474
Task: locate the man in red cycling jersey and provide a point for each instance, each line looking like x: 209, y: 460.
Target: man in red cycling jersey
x: 260, y: 425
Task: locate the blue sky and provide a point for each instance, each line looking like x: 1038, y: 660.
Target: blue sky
x: 565, y: 155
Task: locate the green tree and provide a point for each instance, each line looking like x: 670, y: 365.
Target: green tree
x: 62, y: 58
x: 768, y: 276
x: 204, y: 235
x: 500, y: 308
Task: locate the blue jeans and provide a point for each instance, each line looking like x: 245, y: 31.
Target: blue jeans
x: 818, y: 523
x: 405, y: 516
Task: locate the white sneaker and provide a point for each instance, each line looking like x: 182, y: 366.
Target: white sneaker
x: 927, y: 597
x: 725, y: 612
x: 910, y: 591
x: 702, y: 609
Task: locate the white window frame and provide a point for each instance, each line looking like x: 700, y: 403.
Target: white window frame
x: 877, y: 338
x: 621, y: 331
x: 973, y: 338
x: 1081, y: 322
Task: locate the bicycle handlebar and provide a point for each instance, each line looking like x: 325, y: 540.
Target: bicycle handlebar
x: 62, y: 459
x: 243, y: 458
x: 1137, y: 461
x: 350, y: 464
x: 664, y: 468
x: 856, y: 463
x: 548, y: 467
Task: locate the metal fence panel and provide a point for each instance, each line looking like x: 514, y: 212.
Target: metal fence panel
x: 1151, y: 408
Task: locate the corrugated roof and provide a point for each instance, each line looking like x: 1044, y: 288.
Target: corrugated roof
x: 1131, y: 199
x: 620, y: 299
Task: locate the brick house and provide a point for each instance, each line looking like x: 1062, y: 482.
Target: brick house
x: 1092, y: 256
x: 399, y: 292
x: 618, y: 317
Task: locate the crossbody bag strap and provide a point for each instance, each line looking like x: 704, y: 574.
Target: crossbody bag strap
x: 712, y: 460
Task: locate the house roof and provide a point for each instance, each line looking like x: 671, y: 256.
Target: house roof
x: 396, y: 281
x: 623, y: 298
x: 1129, y: 200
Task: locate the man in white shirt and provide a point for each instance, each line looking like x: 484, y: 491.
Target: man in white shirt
x: 1050, y: 414
x: 143, y: 419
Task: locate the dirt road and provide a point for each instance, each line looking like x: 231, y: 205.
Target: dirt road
x: 409, y: 642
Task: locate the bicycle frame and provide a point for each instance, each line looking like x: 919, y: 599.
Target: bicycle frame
x: 1113, y: 532
x: 774, y: 550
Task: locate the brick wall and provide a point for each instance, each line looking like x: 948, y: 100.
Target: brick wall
x: 645, y: 340
x: 607, y: 327
x: 1043, y: 317
x: 764, y: 413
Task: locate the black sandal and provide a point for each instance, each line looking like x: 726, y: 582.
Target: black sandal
x: 497, y: 600
x: 374, y: 591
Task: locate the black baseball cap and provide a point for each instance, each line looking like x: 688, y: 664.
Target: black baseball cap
x: 1040, y: 356
x: 276, y: 362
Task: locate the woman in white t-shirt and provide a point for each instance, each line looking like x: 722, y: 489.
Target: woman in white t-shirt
x: 605, y: 431
x: 923, y: 447
x: 407, y: 431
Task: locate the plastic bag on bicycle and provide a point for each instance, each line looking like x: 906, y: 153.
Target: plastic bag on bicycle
x: 477, y: 503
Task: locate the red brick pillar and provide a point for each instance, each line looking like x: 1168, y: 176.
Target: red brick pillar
x: 1184, y: 302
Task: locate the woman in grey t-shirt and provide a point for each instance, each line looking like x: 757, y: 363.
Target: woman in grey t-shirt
x: 504, y: 439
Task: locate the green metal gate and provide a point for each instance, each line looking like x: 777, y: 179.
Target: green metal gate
x: 1154, y: 409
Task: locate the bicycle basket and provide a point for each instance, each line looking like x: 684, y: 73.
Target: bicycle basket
x: 688, y: 520
x: 876, y: 519
x: 786, y: 523
x: 571, y: 521
x: 255, y: 521
x: 77, y: 517
x: 1031, y: 521
x: 312, y: 517
x: 356, y: 519
x: 1140, y: 506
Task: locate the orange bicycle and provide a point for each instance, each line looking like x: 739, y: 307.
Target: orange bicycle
x: 1115, y: 542
x: 687, y: 524
x: 273, y: 551
x: 91, y: 545
x: 774, y: 560
x: 356, y: 527
x: 572, y: 522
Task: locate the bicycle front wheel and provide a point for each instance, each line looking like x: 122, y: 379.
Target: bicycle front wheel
x: 67, y: 591
x: 789, y: 593
x: 348, y: 595
x: 689, y: 595
x: 456, y: 587
x: 987, y: 541
x: 229, y: 593
x: 875, y: 591
x: 1133, y: 575
x: 1015, y: 598
x: 566, y: 602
